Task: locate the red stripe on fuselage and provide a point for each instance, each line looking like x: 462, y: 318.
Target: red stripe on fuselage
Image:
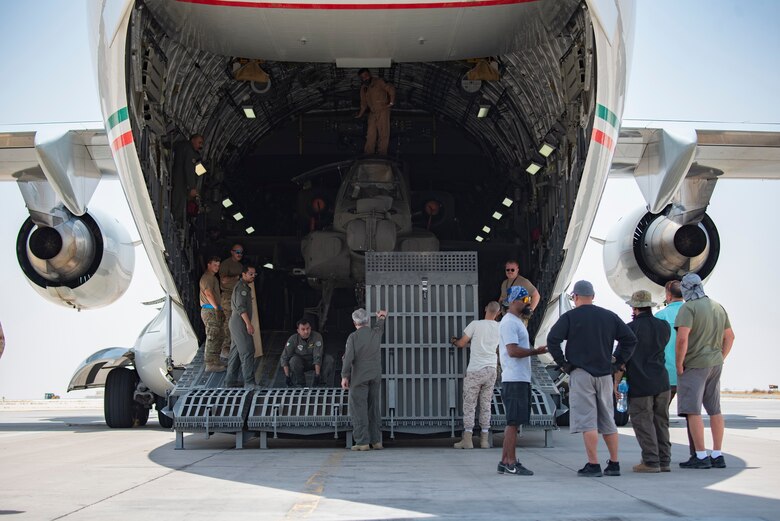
x: 124, y: 139
x: 354, y: 6
x: 601, y: 137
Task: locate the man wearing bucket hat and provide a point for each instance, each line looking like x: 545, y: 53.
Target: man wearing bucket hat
x: 704, y: 340
x: 515, y: 351
x: 590, y: 333
x: 648, y: 385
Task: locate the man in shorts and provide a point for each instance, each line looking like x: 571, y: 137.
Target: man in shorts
x: 515, y: 351
x: 590, y: 332
x: 704, y: 339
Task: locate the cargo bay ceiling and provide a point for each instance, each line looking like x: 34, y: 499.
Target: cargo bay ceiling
x: 545, y: 89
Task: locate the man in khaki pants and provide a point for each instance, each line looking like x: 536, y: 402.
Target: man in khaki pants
x: 379, y: 97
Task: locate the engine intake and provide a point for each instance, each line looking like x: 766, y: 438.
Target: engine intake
x: 83, y: 262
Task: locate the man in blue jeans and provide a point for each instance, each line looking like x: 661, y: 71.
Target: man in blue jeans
x: 515, y: 351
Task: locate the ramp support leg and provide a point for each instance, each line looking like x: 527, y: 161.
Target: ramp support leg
x: 179, y: 440
x: 263, y: 440
x: 548, y: 438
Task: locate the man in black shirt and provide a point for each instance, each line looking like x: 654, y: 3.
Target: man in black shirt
x: 590, y: 333
x: 648, y: 385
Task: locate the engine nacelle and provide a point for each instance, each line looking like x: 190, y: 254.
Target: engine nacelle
x: 645, y: 251
x: 82, y: 262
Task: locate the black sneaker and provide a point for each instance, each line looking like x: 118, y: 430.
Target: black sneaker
x: 517, y: 469
x: 718, y: 463
x: 696, y: 463
x: 590, y: 470
x: 612, y: 468
x: 501, y: 468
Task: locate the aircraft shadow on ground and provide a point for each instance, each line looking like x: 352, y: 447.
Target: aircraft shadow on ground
x: 85, y: 423
x: 279, y: 466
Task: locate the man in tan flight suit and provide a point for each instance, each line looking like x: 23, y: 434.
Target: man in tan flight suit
x: 211, y: 314
x: 229, y: 272
x: 378, y: 96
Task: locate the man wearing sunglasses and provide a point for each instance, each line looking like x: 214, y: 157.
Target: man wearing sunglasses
x: 229, y: 272
x: 513, y: 279
x: 590, y: 333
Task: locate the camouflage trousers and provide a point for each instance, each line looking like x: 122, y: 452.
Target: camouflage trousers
x: 227, y: 310
x: 214, y: 321
x: 478, y: 387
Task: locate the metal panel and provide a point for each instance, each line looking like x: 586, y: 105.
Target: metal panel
x: 211, y: 410
x: 299, y: 411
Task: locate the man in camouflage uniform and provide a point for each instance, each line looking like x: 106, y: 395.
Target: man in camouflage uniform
x: 211, y: 314
x: 305, y: 351
x: 229, y: 273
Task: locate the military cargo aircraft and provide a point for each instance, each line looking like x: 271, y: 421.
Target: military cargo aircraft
x: 508, y: 117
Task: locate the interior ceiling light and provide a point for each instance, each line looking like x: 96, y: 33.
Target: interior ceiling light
x: 250, y: 230
x: 483, y: 111
x: 533, y: 168
x: 227, y: 203
x: 486, y: 229
x: 497, y: 215
x: 199, y: 168
x: 478, y: 238
x: 238, y: 216
x: 268, y: 265
x: 507, y: 202
x: 546, y: 149
x: 249, y: 111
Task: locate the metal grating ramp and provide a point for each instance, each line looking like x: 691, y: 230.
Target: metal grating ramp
x: 299, y: 411
x: 542, y: 413
x: 210, y: 410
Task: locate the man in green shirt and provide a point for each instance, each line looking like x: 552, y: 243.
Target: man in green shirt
x: 704, y: 339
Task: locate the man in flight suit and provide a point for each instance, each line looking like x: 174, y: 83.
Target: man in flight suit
x: 229, y: 272
x: 305, y: 351
x: 242, y: 353
x: 379, y: 97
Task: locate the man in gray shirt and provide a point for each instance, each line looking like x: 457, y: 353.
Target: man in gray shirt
x: 242, y: 350
x: 361, y: 373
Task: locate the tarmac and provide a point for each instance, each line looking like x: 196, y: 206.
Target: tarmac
x: 64, y: 463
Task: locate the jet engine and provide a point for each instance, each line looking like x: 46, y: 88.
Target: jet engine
x: 82, y: 262
x: 646, y: 250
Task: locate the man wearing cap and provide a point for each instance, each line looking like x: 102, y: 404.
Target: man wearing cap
x: 704, y: 340
x: 515, y: 351
x: 648, y: 385
x: 590, y: 333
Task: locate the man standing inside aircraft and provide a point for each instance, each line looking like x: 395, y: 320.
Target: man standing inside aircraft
x: 230, y: 271
x: 378, y: 96
x: 361, y: 374
x: 184, y: 179
x: 480, y: 374
x: 513, y: 278
x: 303, y: 352
x: 590, y: 333
x: 648, y: 386
x: 211, y: 314
x: 515, y: 350
x: 242, y: 353
x: 704, y: 340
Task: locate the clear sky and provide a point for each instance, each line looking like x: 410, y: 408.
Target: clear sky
x: 699, y: 60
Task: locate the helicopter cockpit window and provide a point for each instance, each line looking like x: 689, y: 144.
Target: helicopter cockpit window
x: 373, y: 179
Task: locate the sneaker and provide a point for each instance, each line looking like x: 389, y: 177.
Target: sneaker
x: 377, y: 446
x: 643, y: 468
x: 516, y: 469
x: 590, y: 470
x: 360, y: 447
x: 718, y: 463
x: 612, y: 468
x: 696, y: 463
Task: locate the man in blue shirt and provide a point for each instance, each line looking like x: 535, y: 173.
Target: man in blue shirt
x: 674, y: 302
x: 515, y: 351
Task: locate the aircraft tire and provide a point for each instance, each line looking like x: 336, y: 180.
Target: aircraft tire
x: 166, y: 422
x: 118, y: 404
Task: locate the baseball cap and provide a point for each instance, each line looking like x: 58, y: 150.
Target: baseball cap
x: 583, y: 288
x: 515, y: 293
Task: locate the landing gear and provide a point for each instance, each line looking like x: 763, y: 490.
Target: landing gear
x: 166, y: 422
x: 119, y: 407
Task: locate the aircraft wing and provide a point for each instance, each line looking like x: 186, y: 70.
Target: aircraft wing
x: 741, y: 151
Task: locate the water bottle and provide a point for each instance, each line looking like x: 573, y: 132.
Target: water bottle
x: 622, y: 401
